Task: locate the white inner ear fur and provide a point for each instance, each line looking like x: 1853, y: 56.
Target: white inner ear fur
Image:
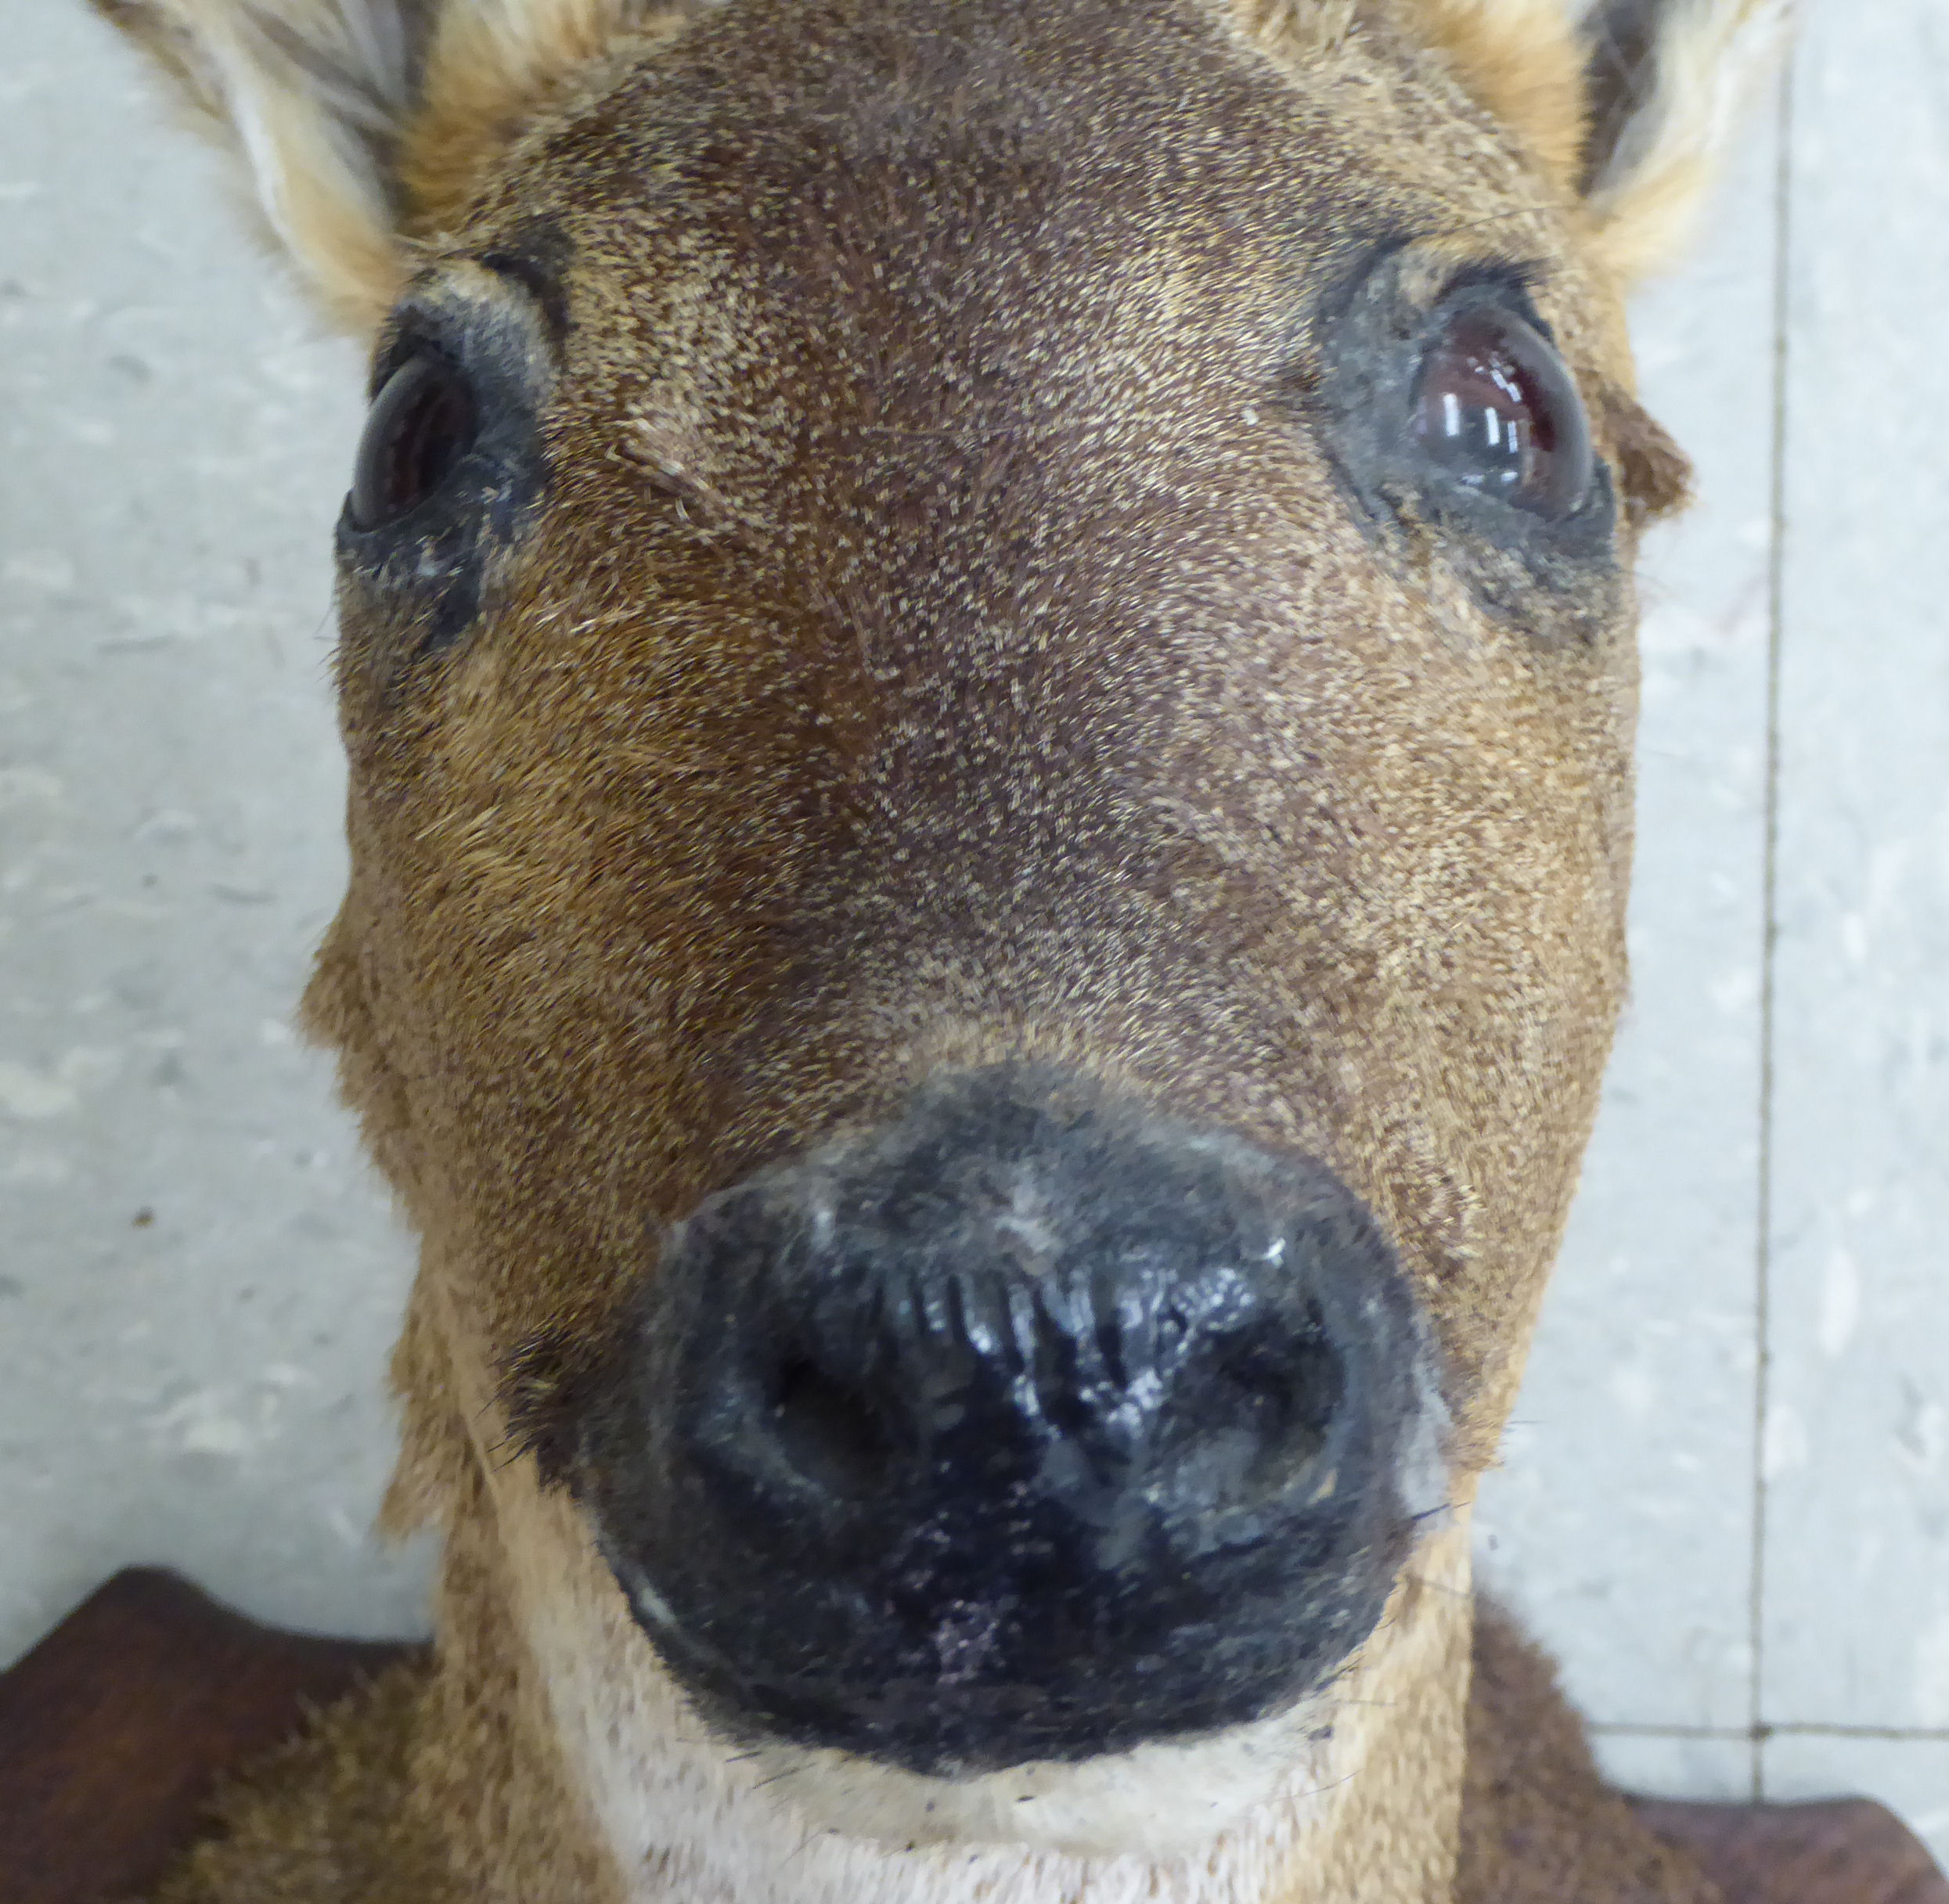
x: 684, y: 1813
x: 323, y: 100
x: 313, y: 95
x: 1708, y: 57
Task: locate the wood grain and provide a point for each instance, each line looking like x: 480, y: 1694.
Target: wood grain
x: 1839, y: 1850
x: 117, y: 1729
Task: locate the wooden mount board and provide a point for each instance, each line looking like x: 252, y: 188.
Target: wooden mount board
x: 117, y: 1729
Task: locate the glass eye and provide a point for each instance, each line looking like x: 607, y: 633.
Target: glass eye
x: 1496, y: 411
x: 420, y: 425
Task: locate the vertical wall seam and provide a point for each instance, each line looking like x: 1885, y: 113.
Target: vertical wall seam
x: 1762, y: 1251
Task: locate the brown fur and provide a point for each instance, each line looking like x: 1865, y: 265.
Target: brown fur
x: 1521, y: 62
x: 1539, y: 1826
x: 427, y: 1786
x: 945, y: 641
x: 491, y: 72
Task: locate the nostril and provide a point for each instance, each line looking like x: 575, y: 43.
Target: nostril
x: 878, y: 1483
x: 831, y: 1434
x: 1275, y: 1405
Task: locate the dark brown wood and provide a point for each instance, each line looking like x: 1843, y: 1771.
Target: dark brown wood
x: 115, y: 1729
x: 1839, y: 1851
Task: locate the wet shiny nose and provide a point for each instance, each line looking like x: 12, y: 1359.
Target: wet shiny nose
x: 1029, y: 1426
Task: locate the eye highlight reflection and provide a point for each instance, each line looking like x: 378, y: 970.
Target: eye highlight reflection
x: 421, y: 423
x: 1496, y: 411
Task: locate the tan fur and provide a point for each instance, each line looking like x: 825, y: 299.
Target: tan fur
x: 493, y: 68
x: 1295, y: 32
x: 934, y: 650
x: 1521, y: 62
x: 352, y: 159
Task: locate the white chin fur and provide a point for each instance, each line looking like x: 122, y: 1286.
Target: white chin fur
x: 688, y: 1815
x: 1154, y: 1801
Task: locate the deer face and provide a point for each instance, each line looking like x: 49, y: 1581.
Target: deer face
x: 989, y: 695
x: 986, y: 658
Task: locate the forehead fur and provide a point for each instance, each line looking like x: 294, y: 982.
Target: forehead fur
x: 1161, y: 148
x: 941, y: 644
x: 1378, y: 88
x: 366, y: 126
x: 1046, y: 208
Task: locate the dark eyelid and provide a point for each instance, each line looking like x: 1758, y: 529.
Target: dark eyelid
x: 1521, y: 275
x: 1509, y: 279
x: 535, y: 275
x: 406, y: 332
x: 1508, y: 282
x: 422, y: 320
x: 1354, y: 264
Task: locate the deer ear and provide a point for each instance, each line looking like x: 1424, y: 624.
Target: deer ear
x: 1629, y: 111
x: 361, y: 125
x: 1522, y: 62
x: 1665, y: 80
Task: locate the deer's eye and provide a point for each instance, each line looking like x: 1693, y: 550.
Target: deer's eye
x: 1495, y: 411
x: 421, y: 424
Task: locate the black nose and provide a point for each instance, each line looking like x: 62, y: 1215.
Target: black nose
x: 1027, y: 1427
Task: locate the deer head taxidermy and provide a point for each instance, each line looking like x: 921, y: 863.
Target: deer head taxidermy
x: 987, y: 657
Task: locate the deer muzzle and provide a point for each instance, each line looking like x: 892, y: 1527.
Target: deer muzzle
x: 1028, y: 1426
